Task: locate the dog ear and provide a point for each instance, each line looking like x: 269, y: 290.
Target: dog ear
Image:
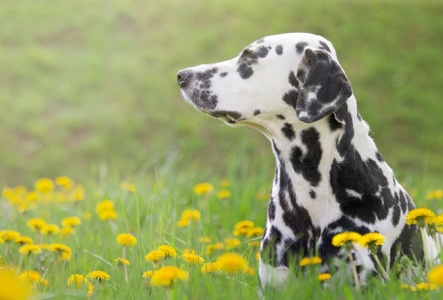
x: 324, y: 88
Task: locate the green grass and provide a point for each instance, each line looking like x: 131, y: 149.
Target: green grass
x: 151, y: 214
x: 88, y: 83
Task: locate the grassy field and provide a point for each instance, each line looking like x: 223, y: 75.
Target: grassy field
x: 151, y: 213
x: 88, y: 90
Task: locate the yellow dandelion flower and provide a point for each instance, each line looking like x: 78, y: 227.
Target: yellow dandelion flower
x: 191, y: 214
x: 250, y: 271
x: 12, y: 288
x: 305, y: 261
x: 147, y: 274
x: 203, y: 188
x: 10, y: 236
x: 310, y: 261
x: 166, y: 276
x: 255, y: 232
x: 122, y: 261
x: 104, y: 205
x: 23, y: 240
x: 183, y: 222
x: 36, y: 224
x: 231, y: 263
x: 324, y: 276
x: 79, y: 193
x: 420, y: 216
x: 44, y: 185
x: 1, y: 240
x: 426, y: 286
x: 28, y: 249
x: 98, y: 275
x: 435, y: 275
x: 232, y: 243
x: 64, y: 181
x: 205, y: 239
x: 71, y: 221
x: 77, y: 280
x: 214, y: 247
x: 223, y: 194
x: 32, y: 196
x: 107, y: 215
x: 65, y: 256
x: 434, y: 194
x: 155, y: 256
x: 86, y: 215
x: 168, y: 250
x: 438, y: 220
x: 32, y: 277
x: 225, y: 183
x: 345, y: 237
x: 49, y: 229
x: 372, y: 239
x: 209, y: 268
x: 127, y: 186
x: 126, y: 239
x: 243, y: 227
x: 90, y: 290
x: 192, y: 259
x: 45, y: 247
x: 257, y: 256
x: 67, y: 230
x: 188, y: 251
x: 60, y: 248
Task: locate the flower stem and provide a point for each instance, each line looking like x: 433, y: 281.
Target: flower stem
x: 354, y: 272
x: 124, y: 265
x: 425, y: 247
x: 386, y: 275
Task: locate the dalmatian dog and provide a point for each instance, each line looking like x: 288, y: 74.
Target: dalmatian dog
x: 330, y: 177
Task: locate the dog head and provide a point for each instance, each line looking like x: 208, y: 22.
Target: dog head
x: 295, y: 74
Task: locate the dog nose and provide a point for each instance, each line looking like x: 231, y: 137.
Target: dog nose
x: 183, y: 76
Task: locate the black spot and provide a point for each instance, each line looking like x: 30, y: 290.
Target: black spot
x: 312, y: 194
x: 324, y: 46
x: 379, y: 157
x: 292, y: 80
x: 307, y: 164
x: 288, y: 131
x: 279, y: 49
x: 223, y: 74
x: 262, y: 52
x: 333, y: 123
x: 281, y: 117
x: 260, y: 41
x: 290, y: 98
x: 257, y: 112
x: 245, y: 70
x: 396, y: 215
x: 365, y: 178
x: 301, y: 74
x: 204, y: 99
x: 271, y: 210
x: 300, y: 46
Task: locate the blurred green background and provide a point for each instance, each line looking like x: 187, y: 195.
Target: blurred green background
x: 85, y: 84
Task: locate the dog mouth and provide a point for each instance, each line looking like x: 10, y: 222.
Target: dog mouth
x: 230, y: 117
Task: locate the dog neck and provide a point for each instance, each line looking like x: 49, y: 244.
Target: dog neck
x: 305, y: 154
